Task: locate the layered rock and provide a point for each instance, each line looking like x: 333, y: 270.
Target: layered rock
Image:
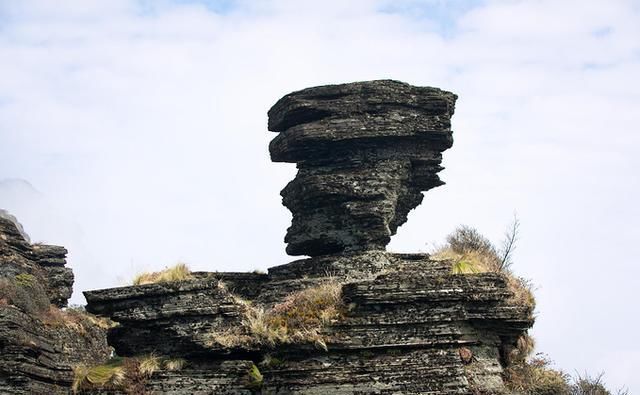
x: 365, y: 152
x: 46, y: 262
x: 39, y: 346
x: 411, y: 328
x: 406, y: 324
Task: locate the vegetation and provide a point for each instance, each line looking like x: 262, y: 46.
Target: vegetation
x: 470, y: 252
x: 255, y: 378
x: 534, y: 375
x: 178, y: 272
x: 300, y: 318
x: 25, y: 293
x: 122, y: 374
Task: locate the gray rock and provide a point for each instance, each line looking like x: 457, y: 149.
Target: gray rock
x: 408, y: 320
x: 37, y: 351
x: 365, y: 152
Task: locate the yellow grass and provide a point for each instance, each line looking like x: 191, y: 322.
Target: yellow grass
x: 300, y: 318
x: 107, y: 375
x: 178, y: 272
x: 174, y: 364
x: 484, y: 261
x: 149, y: 364
x: 122, y: 374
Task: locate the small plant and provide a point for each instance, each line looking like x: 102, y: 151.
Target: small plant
x: 179, y: 272
x: 255, y: 379
x: 111, y: 375
x: 149, y: 364
x: 536, y: 377
x: 25, y: 280
x: 174, y: 364
x: 592, y: 385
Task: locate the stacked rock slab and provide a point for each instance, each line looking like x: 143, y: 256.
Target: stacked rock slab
x: 37, y: 357
x: 364, y: 151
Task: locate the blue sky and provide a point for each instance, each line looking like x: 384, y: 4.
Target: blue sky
x: 134, y: 133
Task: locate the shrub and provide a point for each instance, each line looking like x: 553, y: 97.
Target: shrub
x: 111, y: 375
x: 536, y: 377
x: 592, y: 385
x: 300, y: 318
x: 470, y: 252
x: 466, y: 238
x: 179, y: 272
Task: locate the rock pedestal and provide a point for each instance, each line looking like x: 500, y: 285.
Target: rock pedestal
x: 365, y: 152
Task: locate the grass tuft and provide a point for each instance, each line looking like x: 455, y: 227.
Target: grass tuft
x: 129, y: 375
x: 179, y: 272
x: 471, y: 253
x: 149, y: 364
x: 300, y: 318
x: 174, y: 364
x: 255, y: 378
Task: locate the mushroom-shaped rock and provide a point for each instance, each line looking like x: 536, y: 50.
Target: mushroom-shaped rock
x: 365, y: 152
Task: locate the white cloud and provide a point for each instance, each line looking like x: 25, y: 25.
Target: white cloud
x: 144, y: 127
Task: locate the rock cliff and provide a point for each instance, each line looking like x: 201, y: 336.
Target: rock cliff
x: 40, y: 344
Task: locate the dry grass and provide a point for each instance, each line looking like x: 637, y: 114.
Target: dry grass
x: 471, y: 253
x: 111, y: 375
x: 128, y: 375
x: 178, y: 272
x: 174, y: 364
x: 74, y: 319
x: 149, y: 364
x: 300, y: 318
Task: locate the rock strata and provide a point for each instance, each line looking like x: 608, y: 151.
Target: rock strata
x: 404, y: 333
x: 365, y: 152
x: 38, y: 347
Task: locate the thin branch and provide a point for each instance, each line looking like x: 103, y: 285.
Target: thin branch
x: 509, y: 243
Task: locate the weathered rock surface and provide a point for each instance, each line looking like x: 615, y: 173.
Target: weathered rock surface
x: 365, y: 152
x: 45, y: 262
x: 38, y: 351
x: 409, y: 319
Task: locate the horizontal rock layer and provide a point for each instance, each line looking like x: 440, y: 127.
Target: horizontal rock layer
x: 38, y: 358
x: 408, y: 320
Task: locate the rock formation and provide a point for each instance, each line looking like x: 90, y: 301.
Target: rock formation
x: 352, y: 318
x: 39, y: 344
x: 365, y: 151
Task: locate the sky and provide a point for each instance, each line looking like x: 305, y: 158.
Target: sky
x: 134, y: 133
